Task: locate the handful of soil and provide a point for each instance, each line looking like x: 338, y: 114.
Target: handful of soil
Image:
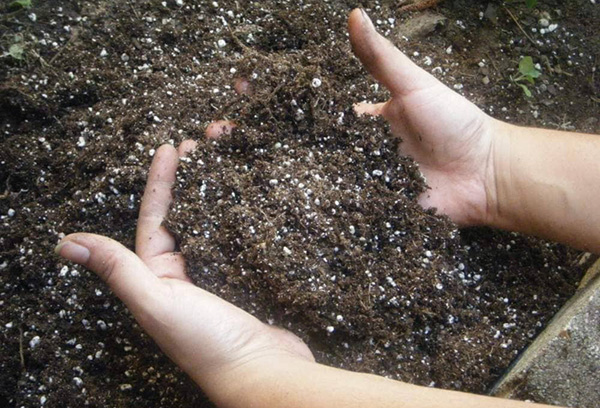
x: 306, y: 217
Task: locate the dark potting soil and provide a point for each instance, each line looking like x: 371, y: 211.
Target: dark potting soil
x: 305, y: 215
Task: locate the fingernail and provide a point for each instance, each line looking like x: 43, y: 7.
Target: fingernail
x: 366, y: 17
x: 73, y: 252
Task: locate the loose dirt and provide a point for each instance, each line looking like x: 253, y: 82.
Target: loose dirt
x: 305, y: 215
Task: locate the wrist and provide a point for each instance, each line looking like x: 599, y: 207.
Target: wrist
x: 477, y: 204
x: 497, y: 174
x: 246, y: 383
x: 263, y: 354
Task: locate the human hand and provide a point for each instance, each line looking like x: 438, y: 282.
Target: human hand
x: 206, y: 336
x: 450, y: 138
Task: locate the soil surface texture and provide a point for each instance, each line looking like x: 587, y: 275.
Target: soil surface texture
x: 305, y: 215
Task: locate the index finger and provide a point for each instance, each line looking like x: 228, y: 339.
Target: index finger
x: 152, y: 238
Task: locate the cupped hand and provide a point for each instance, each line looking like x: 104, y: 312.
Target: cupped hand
x: 450, y: 138
x: 206, y: 336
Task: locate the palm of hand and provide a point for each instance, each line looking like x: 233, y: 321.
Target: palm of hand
x: 446, y: 134
x: 450, y: 139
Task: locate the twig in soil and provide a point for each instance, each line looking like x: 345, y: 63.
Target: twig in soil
x: 271, y: 95
x: 520, y: 26
x: 464, y: 74
x: 58, y: 121
x: 137, y: 15
x: 28, y: 97
x: 21, y: 355
x: 494, y: 64
x: 238, y: 41
x: 43, y: 62
x: 63, y: 47
x: 360, y: 301
x: 559, y: 71
x: 554, y: 70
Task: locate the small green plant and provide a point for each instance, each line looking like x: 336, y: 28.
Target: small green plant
x: 20, y: 4
x: 527, y: 73
x: 16, y: 49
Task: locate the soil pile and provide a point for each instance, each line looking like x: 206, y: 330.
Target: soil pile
x: 102, y: 84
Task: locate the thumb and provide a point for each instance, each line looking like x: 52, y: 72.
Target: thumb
x: 383, y: 60
x: 128, y: 277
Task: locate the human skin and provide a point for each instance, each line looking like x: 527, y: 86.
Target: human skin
x: 481, y: 171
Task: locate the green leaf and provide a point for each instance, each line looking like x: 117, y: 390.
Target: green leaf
x: 21, y: 4
x: 526, y: 65
x: 525, y: 90
x: 531, y: 3
x: 16, y: 51
x: 527, y: 68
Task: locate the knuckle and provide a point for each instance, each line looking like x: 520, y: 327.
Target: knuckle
x: 109, y: 265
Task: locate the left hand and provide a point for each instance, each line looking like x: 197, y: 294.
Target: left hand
x: 206, y: 336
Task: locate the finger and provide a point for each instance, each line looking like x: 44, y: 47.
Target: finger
x: 121, y: 269
x: 242, y: 86
x: 152, y: 238
x: 371, y: 109
x: 383, y: 60
x: 219, y: 128
x: 186, y: 147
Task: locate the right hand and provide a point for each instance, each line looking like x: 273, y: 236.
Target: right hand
x: 450, y: 138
